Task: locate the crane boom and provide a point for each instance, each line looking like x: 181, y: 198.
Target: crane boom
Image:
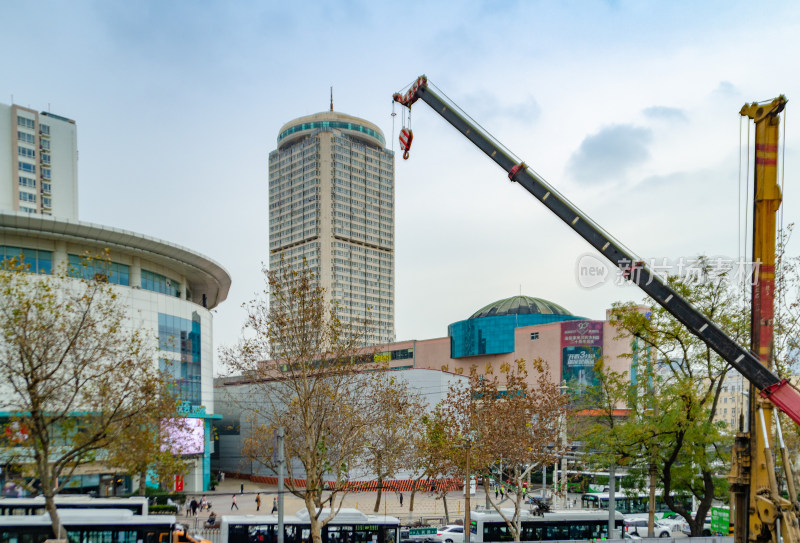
x: 779, y: 391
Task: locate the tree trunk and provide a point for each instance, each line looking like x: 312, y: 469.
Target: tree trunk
x: 143, y: 483
x: 446, y: 512
x: 50, y: 506
x: 316, y: 525
x: 651, y: 505
x: 414, y: 489
x: 380, y: 492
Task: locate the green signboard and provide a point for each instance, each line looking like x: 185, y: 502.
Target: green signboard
x: 421, y: 531
x: 720, y: 520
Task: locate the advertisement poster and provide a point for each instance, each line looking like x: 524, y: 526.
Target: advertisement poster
x: 581, y: 348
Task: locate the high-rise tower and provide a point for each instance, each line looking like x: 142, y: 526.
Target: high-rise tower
x: 38, y: 162
x: 331, y: 201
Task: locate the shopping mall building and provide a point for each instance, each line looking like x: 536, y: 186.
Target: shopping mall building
x: 520, y: 327
x: 166, y: 290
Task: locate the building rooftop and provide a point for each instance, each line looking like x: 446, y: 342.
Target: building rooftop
x: 203, y: 274
x: 327, y: 120
x: 520, y: 305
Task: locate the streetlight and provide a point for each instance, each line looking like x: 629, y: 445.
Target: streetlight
x: 563, y: 487
x: 468, y: 440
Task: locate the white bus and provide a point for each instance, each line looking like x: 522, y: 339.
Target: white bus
x: 630, y: 503
x: 35, y: 506
x: 349, y: 526
x: 489, y: 527
x: 118, y: 526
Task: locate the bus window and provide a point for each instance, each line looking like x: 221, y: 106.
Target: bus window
x: 531, y: 531
x: 496, y: 531
x: 389, y: 534
x: 580, y: 530
x: 557, y: 531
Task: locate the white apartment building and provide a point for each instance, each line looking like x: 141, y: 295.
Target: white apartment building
x: 331, y: 202
x: 38, y: 162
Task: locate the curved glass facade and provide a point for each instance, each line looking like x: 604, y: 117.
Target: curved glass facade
x: 331, y: 124
x: 493, y: 335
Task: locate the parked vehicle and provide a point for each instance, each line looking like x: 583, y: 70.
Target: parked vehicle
x: 638, y: 526
x: 452, y: 533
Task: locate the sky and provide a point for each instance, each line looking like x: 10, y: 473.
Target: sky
x: 629, y: 108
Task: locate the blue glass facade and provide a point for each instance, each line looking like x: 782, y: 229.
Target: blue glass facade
x: 493, y: 335
x: 118, y: 274
x: 159, y: 283
x: 39, y: 261
x: 331, y: 124
x: 182, y: 336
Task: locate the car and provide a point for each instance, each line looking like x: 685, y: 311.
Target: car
x: 706, y: 525
x: 638, y: 526
x: 452, y: 533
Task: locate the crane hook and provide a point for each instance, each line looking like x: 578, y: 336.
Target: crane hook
x: 406, y: 135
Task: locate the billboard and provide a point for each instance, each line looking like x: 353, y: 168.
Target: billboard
x: 185, y: 437
x: 581, y: 348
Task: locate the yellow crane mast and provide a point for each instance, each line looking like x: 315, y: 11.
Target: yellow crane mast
x: 760, y: 514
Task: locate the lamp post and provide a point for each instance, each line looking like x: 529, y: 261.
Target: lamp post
x: 468, y: 439
x: 563, y: 485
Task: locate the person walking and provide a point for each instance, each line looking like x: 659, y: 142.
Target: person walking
x: 258, y: 502
x: 502, y: 493
x: 233, y: 502
x: 193, y: 504
x: 401, y: 499
x: 496, y: 490
x: 274, y: 505
x: 203, y: 503
x: 221, y: 476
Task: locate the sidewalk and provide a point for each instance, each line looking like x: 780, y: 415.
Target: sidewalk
x: 426, y: 505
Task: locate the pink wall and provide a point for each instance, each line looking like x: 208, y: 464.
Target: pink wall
x: 435, y: 353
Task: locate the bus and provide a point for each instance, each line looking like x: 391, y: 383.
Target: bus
x: 349, y: 526
x: 629, y: 503
x: 487, y: 527
x: 591, y: 481
x: 112, y: 525
x: 35, y: 506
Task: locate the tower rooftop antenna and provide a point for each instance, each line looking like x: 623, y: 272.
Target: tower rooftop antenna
x: 331, y: 98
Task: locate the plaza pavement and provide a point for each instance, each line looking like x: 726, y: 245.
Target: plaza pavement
x: 427, y: 507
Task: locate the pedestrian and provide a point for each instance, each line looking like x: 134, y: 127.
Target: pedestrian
x: 233, y: 502
x: 401, y: 499
x: 193, y: 504
x: 221, y: 476
x: 496, y: 491
x: 502, y: 492
x: 203, y: 503
x: 241, y: 488
x: 258, y: 502
x: 274, y: 505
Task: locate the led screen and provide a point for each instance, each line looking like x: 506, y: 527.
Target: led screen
x: 185, y: 436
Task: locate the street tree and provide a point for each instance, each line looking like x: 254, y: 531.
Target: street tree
x: 515, y: 415
x: 396, y: 414
x: 298, y: 360
x: 433, y: 455
x: 75, y: 374
x: 673, y: 406
x: 157, y: 445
